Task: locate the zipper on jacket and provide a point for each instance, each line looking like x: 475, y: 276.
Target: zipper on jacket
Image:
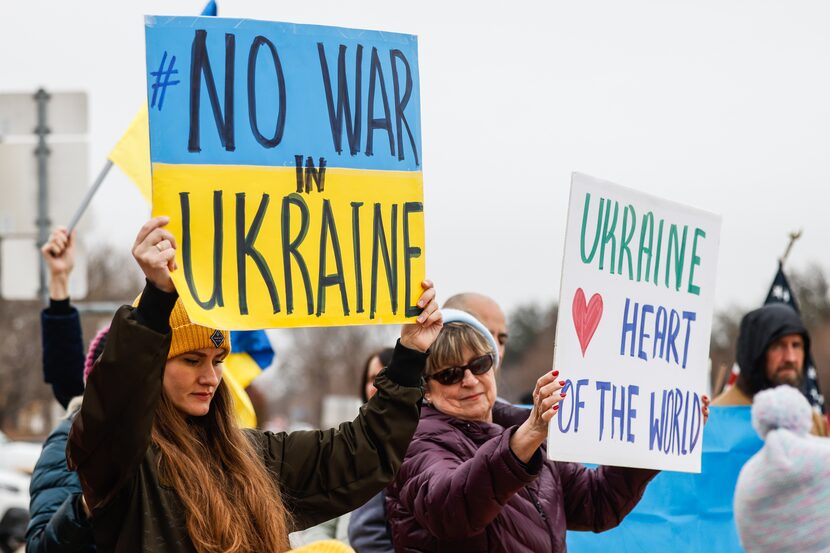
x: 537, y: 504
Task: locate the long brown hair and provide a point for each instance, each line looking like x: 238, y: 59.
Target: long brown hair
x: 231, y: 504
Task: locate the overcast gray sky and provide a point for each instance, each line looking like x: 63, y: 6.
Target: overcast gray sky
x: 722, y: 105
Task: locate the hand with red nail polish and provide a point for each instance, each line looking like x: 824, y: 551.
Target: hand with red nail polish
x: 534, y: 431
x: 705, y: 409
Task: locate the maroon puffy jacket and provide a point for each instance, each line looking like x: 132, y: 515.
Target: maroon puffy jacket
x: 461, y: 489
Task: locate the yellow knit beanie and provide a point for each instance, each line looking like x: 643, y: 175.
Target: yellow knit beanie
x: 188, y: 336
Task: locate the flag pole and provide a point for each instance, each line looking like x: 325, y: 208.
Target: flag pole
x: 795, y: 235
x: 89, y: 194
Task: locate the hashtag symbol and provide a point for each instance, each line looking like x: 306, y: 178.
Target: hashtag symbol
x: 163, y: 80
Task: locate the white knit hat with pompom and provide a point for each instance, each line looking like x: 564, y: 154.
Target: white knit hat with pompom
x: 782, y: 499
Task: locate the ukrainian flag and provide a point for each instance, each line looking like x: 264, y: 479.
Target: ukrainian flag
x: 251, y: 353
x: 132, y: 151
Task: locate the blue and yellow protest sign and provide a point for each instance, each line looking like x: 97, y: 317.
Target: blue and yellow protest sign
x: 635, y: 317
x: 288, y: 158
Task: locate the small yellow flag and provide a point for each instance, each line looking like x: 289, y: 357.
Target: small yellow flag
x: 132, y: 153
x: 245, y: 414
x: 243, y: 367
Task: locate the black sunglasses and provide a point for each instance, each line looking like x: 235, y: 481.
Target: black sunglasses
x: 454, y: 375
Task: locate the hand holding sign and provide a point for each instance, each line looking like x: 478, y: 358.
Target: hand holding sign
x: 534, y: 431
x: 155, y: 252
x: 704, y: 410
x: 422, y: 334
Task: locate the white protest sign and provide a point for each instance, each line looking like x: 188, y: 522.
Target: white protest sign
x: 632, y: 339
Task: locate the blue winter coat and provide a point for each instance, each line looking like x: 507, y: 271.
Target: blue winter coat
x: 57, y: 522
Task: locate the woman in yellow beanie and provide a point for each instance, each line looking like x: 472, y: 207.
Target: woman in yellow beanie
x: 163, y: 465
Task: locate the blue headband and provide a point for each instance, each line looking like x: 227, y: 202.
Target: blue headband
x: 451, y: 315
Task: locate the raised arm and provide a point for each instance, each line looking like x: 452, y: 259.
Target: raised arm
x: 324, y: 474
x: 111, y: 433
x: 63, y: 348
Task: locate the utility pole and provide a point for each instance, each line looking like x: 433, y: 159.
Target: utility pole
x: 42, y: 154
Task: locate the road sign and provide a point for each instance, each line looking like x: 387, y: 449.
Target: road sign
x: 68, y: 170
x: 67, y: 114
x: 20, y: 264
x: 33, y: 199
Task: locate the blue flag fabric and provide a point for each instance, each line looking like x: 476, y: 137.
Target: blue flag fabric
x: 689, y: 513
x: 210, y: 9
x: 251, y: 353
x: 256, y: 344
x: 780, y: 292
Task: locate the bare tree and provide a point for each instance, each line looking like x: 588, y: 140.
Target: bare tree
x: 21, y: 380
x: 725, y: 327
x: 529, y: 353
x: 811, y: 290
x: 112, y: 277
x: 320, y: 362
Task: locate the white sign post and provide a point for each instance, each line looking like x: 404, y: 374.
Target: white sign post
x: 632, y: 339
x: 67, y: 180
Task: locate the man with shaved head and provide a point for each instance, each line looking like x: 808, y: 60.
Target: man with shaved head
x: 486, y: 310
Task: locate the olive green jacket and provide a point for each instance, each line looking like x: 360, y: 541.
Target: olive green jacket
x: 321, y: 474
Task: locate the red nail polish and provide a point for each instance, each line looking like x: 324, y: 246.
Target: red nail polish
x: 561, y: 382
x: 555, y: 373
x: 555, y: 407
x: 562, y: 394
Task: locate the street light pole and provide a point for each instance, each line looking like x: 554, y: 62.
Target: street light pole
x: 42, y: 154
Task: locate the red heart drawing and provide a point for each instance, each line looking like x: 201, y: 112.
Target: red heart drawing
x: 586, y: 317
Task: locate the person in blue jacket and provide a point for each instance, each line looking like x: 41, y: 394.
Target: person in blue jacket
x: 57, y: 518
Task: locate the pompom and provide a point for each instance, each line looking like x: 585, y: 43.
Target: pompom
x: 96, y: 348
x: 781, y: 407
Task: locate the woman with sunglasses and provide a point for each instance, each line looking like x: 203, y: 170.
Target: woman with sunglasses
x: 475, y: 477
